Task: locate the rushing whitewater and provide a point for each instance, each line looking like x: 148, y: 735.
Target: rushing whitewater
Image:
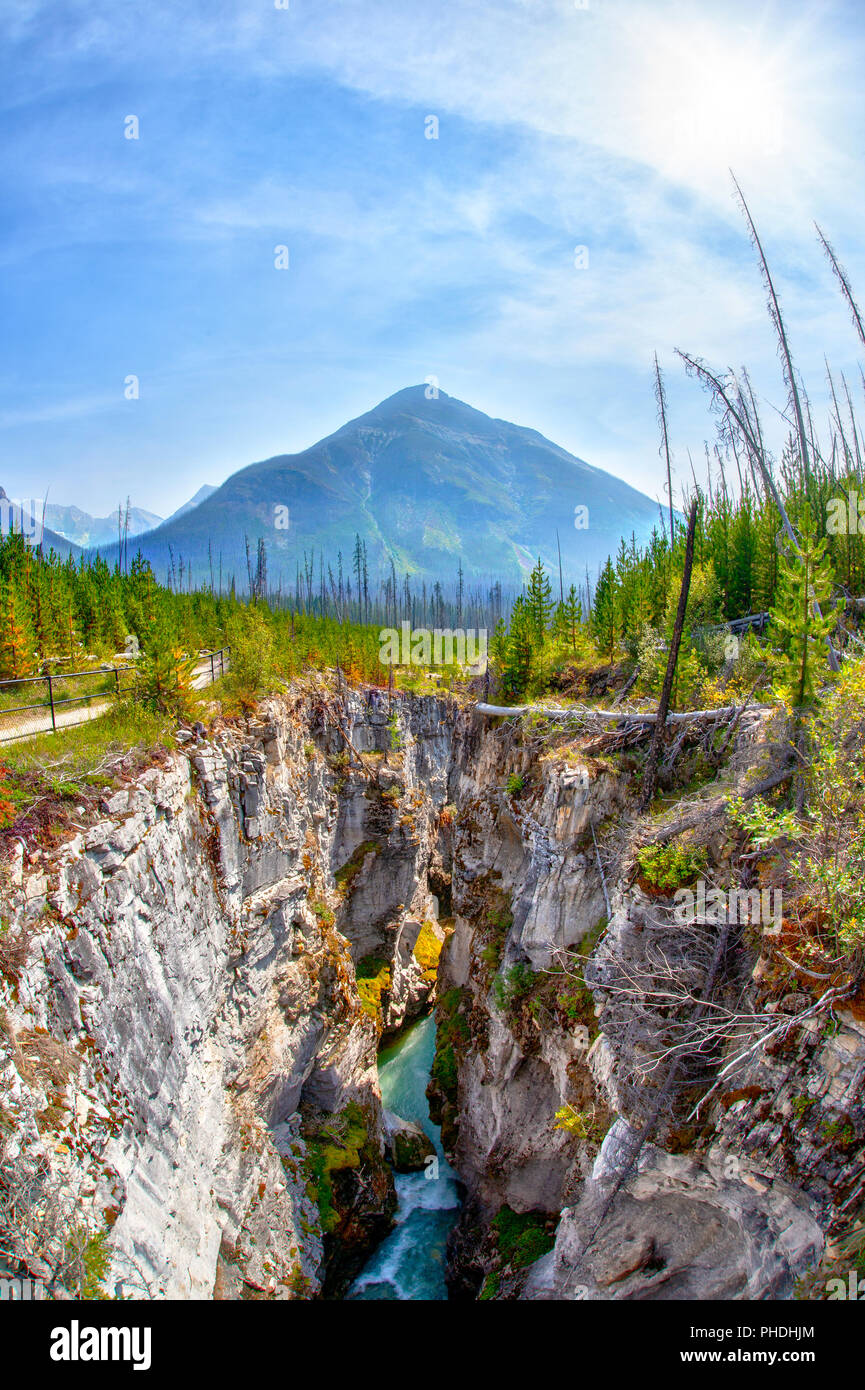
x: 410, y: 1264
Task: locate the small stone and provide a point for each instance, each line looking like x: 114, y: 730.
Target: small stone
x: 629, y: 1257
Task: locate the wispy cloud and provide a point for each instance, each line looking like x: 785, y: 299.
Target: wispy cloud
x: 610, y: 126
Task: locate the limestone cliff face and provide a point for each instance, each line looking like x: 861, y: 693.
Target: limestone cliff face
x: 648, y: 1200
x: 181, y: 1019
x: 526, y: 890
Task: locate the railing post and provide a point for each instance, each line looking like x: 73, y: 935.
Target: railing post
x: 212, y: 669
x: 51, y: 702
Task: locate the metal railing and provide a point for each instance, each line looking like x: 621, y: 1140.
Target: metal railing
x: 222, y: 653
x: 45, y: 714
x: 54, y: 699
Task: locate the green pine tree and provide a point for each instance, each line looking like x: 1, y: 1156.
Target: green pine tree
x: 569, y: 616
x: 539, y: 602
x: 519, y: 655
x: 605, y: 611
x: 804, y: 580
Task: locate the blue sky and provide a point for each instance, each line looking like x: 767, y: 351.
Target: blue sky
x: 610, y: 127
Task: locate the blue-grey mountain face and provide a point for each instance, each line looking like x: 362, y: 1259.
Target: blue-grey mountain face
x: 425, y: 482
x: 205, y: 491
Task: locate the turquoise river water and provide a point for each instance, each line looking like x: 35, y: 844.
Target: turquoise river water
x: 410, y: 1263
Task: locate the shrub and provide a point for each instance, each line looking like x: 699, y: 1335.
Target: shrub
x: 491, y: 954
x: 825, y: 855
x: 521, y: 1237
x: 251, y: 664
x: 14, y: 951
x: 582, y: 1124
x: 7, y: 805
x: 452, y: 1036
x: 514, y: 985
x: 668, y: 866
x: 86, y: 1263
x: 322, y: 911
x: 162, y: 679
x: 339, y: 1143
x: 515, y: 784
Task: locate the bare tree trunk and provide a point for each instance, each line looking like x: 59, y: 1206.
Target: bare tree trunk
x: 844, y: 282
x: 778, y: 323
x: 661, y: 398
x: 650, y: 777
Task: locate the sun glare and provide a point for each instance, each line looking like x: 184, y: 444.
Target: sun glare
x: 709, y: 101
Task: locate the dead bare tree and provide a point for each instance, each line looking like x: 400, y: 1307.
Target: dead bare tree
x: 844, y: 282
x: 774, y: 308
x: 650, y: 777
x: 661, y: 399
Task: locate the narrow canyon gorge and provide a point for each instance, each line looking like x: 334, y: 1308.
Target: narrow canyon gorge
x: 205, y: 974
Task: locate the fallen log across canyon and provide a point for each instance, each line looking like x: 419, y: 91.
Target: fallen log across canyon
x: 616, y: 715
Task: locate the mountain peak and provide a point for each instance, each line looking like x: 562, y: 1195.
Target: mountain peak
x: 429, y: 484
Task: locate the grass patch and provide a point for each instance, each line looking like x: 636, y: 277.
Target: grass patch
x: 122, y: 729
x: 76, y: 764
x: 373, y: 980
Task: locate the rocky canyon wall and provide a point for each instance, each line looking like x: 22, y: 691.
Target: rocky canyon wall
x: 187, y: 1057
x: 194, y: 987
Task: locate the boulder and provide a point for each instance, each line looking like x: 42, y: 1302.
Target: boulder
x: 406, y: 1144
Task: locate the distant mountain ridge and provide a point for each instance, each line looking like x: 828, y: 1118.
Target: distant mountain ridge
x: 24, y: 514
x: 429, y: 483
x: 99, y: 532
x: 85, y: 530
